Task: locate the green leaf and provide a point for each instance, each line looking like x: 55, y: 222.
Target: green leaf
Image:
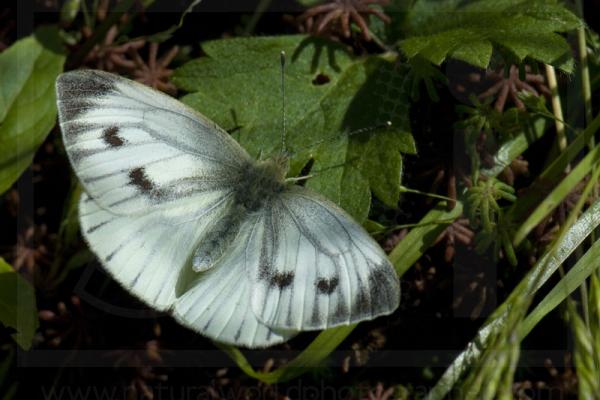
x: 404, y: 255
x: 335, y: 106
x: 472, y: 30
x: 27, y: 101
x: 17, y: 305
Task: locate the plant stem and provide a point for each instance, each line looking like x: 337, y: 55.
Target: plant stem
x: 556, y: 108
x: 262, y: 6
x: 86, y: 15
x: 404, y: 189
x: 586, y: 87
x: 377, y: 40
x: 113, y: 18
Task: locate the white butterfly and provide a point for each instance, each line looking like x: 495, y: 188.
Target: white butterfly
x: 187, y: 221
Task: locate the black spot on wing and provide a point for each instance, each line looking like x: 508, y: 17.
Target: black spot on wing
x: 281, y: 280
x: 139, y: 179
x: 111, y: 137
x: 327, y: 286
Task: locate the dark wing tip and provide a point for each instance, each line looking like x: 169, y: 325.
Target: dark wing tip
x: 88, y: 83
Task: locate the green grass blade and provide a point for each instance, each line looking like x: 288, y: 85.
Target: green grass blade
x: 514, y: 147
x: 420, y: 238
x: 540, y: 273
x: 404, y: 255
x: 560, y: 192
x: 551, y: 175
x: 571, y: 281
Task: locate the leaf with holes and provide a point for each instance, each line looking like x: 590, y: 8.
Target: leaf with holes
x: 330, y: 95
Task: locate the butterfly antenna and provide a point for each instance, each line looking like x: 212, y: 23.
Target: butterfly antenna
x: 283, y: 127
x: 386, y: 124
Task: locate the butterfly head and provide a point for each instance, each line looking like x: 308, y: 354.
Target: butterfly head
x: 273, y: 170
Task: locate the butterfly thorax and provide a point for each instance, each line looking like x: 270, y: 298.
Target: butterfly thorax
x: 260, y: 182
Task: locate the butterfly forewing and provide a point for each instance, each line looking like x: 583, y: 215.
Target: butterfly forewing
x: 134, y: 148
x: 158, y: 178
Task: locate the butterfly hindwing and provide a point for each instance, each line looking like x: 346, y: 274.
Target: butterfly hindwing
x: 134, y: 148
x: 312, y: 267
x: 158, y: 177
x: 147, y: 252
x: 218, y: 305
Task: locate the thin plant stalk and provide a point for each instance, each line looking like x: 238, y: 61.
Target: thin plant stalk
x: 586, y: 87
x: 262, y: 6
x: 556, y: 108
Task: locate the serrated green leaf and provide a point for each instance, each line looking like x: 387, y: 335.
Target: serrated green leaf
x: 17, y: 305
x: 477, y: 53
x: 334, y: 104
x: 27, y: 102
x: 469, y: 31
